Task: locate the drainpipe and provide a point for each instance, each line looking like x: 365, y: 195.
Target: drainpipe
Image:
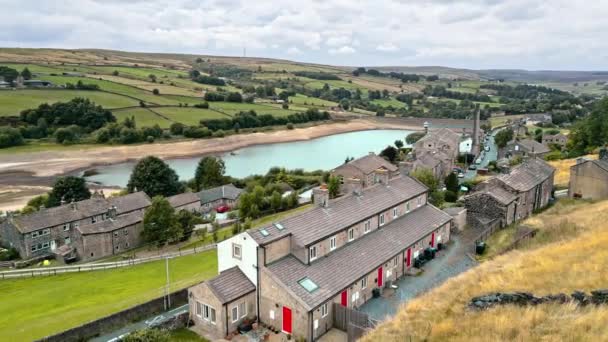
x: 310, y: 326
x: 226, y: 307
x: 257, y: 274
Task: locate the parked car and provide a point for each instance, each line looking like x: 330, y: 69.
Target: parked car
x: 478, y: 161
x: 460, y: 175
x: 222, y: 209
x: 487, y: 148
x: 472, y: 167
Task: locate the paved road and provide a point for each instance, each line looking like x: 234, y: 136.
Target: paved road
x: 448, y: 263
x: 488, y: 157
x: 150, y: 322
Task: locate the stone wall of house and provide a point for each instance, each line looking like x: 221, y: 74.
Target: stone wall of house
x: 210, y: 206
x: 250, y: 303
x: 589, y: 181
x: 278, y: 249
x: 201, y: 293
x: 94, y: 246
x: 483, y: 205
x: 273, y: 297
x: 117, y: 320
x: 11, y: 237
x: 191, y: 207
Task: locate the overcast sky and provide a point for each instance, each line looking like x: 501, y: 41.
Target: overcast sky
x: 478, y: 34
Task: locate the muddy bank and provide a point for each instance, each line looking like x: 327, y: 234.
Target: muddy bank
x: 47, y: 164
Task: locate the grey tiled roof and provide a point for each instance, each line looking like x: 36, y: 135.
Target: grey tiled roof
x: 531, y: 145
x: 348, y: 264
x: 183, y: 199
x: 444, y: 135
x: 368, y: 164
x: 316, y: 223
x: 110, y: 225
x: 528, y: 174
x: 221, y: 192
x: 500, y: 194
x: 230, y: 285
x: 80, y: 210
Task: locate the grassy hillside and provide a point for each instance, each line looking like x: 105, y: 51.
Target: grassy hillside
x: 568, y: 254
x: 36, y: 307
x: 562, y: 172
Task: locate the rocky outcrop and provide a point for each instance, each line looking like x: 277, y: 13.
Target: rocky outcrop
x: 597, y: 297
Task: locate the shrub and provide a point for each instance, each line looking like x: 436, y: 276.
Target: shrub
x: 290, y: 126
x: 197, y: 132
x: 450, y: 196
x: 150, y: 139
x: 155, y: 91
x: 204, y: 105
x: 176, y: 128
x: 10, y: 137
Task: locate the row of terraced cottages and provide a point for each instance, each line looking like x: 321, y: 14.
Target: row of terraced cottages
x: 290, y: 273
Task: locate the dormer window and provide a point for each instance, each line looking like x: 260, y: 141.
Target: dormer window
x: 332, y: 243
x: 367, y: 227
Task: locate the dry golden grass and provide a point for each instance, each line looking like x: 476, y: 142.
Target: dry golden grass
x: 562, y: 172
x: 573, y: 258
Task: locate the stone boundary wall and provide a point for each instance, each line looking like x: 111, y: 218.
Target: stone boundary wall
x: 119, y: 319
x: 598, y: 297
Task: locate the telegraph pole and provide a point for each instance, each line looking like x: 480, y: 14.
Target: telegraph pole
x: 167, y: 289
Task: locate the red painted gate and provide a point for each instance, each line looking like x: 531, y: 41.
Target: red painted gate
x: 286, y: 320
x: 433, y: 239
x: 344, y: 298
x: 380, y: 277
x: 408, y: 259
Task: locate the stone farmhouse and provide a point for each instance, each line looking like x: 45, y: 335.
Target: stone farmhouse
x: 367, y: 170
x: 507, y: 198
x: 336, y: 253
x: 88, y: 229
x: 589, y: 178
x: 525, y: 148
x: 225, y: 195
x: 555, y: 139
x: 187, y: 201
x: 437, y: 151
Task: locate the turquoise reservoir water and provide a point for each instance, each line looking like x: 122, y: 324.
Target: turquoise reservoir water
x: 321, y: 153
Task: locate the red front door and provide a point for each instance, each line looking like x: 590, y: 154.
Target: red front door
x: 408, y: 259
x: 344, y: 298
x: 380, y: 277
x: 286, y: 320
x: 433, y: 239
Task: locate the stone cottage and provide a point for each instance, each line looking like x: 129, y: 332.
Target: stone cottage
x: 589, y: 178
x: 60, y: 230
x: 187, y: 201
x: 225, y: 195
x: 367, y: 169
x: 524, y: 148
x: 335, y: 253
x: 555, y: 139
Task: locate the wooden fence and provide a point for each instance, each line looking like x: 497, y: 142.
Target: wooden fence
x: 49, y: 271
x: 354, y: 323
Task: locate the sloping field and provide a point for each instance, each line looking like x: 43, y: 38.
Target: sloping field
x: 36, y: 307
x: 143, y: 117
x: 300, y: 99
x: 567, y: 255
x: 188, y: 115
x: 14, y: 101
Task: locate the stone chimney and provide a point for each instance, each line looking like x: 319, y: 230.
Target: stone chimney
x: 320, y: 196
x: 62, y: 202
x: 112, y: 212
x: 74, y: 205
x: 354, y: 186
x: 426, y: 127
x: 475, y: 137
x: 603, y: 153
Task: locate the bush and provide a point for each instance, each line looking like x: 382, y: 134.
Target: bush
x: 9, y: 254
x: 219, y: 134
x: 148, y: 335
x: 290, y: 126
x: 10, y: 137
x: 450, y: 196
x: 285, y: 106
x: 204, y: 105
x: 197, y: 132
x: 150, y: 139
x: 155, y: 91
x: 176, y: 128
x: 65, y: 136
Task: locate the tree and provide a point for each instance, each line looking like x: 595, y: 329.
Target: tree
x: 152, y: 78
x: 160, y: 222
x: 155, y: 91
x: 68, y: 189
x: 413, y: 137
x: 209, y: 173
x: 389, y: 153
x: 9, y: 74
x: 275, y: 201
x: 194, y: 73
x: 187, y: 220
x: 451, y: 182
x: 154, y: 177
x: 10, y: 136
x: 399, y: 143
x: 503, y: 137
x: 26, y: 74
x: 148, y: 335
x: 426, y: 177
x: 176, y: 128
x: 333, y: 186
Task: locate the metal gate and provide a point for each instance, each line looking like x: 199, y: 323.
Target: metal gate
x: 354, y: 323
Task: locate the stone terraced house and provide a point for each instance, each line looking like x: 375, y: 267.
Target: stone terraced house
x: 225, y: 195
x: 367, y: 171
x: 87, y: 229
x: 338, y: 252
x: 507, y: 198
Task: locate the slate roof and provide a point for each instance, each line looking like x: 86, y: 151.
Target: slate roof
x: 109, y: 225
x: 368, y: 164
x: 531, y: 145
x: 79, y: 210
x: 348, y: 264
x: 183, y: 199
x: 314, y: 224
x: 527, y: 175
x: 230, y: 284
x: 603, y: 164
x: 500, y: 194
x: 228, y: 191
x: 445, y: 135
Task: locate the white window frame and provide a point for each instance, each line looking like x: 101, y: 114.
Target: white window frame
x: 198, y: 307
x: 312, y: 252
x: 333, y: 243
x: 364, y: 283
x: 407, y: 206
x: 395, y: 262
x: 66, y: 227
x: 367, y: 227
x: 351, y: 234
x: 67, y: 240
x: 243, y: 310
x: 395, y: 212
x: 381, y: 219
x: 236, y: 247
x: 419, y: 200
x: 235, y: 318
x: 324, y: 310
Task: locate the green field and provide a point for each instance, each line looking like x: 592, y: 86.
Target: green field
x: 143, y: 117
x: 233, y: 108
x: 300, y: 99
x: 189, y: 115
x: 389, y: 102
x: 34, y: 68
x: 14, y: 101
x: 36, y: 307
